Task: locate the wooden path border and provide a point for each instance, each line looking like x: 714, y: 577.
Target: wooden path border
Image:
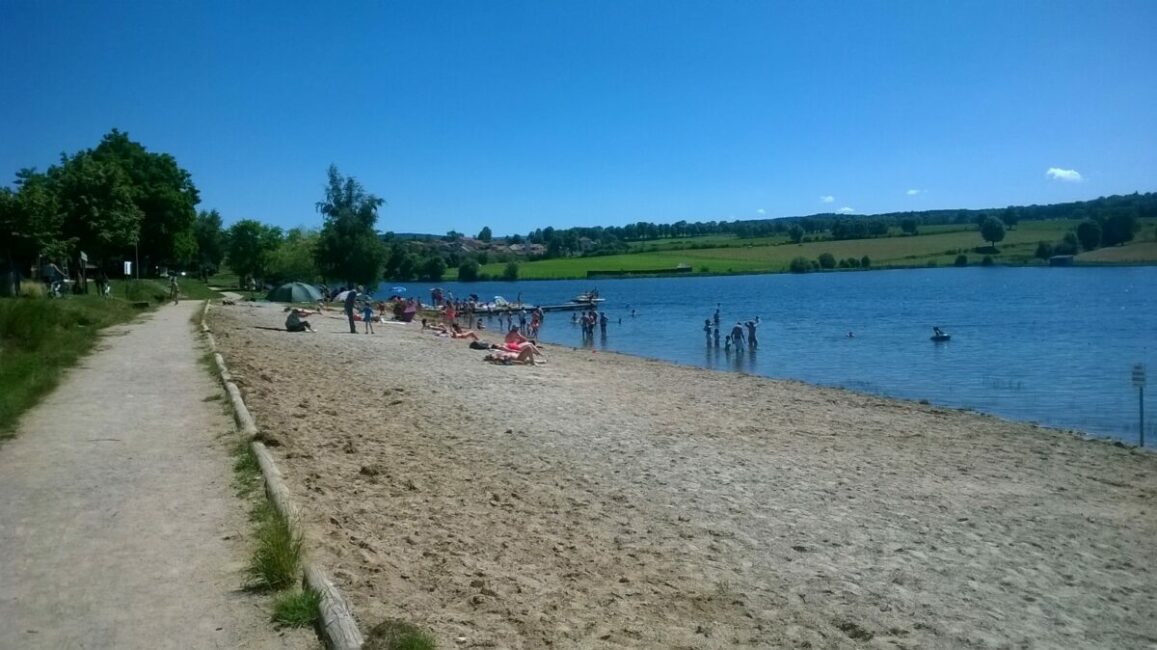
x: 338, y: 627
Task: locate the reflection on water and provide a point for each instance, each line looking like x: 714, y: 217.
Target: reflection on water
x: 1054, y: 346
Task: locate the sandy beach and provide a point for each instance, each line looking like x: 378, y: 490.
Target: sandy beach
x: 605, y: 501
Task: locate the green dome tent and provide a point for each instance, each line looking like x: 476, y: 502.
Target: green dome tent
x: 294, y: 292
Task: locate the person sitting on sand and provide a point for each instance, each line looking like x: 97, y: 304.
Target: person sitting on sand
x: 514, y: 336
x: 294, y: 322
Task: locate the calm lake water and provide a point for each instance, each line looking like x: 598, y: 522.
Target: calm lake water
x: 1048, y: 345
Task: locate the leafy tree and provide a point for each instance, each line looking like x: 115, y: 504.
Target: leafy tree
x: 1067, y: 245
x: 349, y: 248
x: 510, y: 273
x: 1010, y: 216
x: 162, y: 191
x: 992, y: 230
x: 515, y: 239
x: 293, y: 258
x: 961, y: 260
x: 251, y: 244
x: 484, y: 234
x: 909, y: 226
x: 210, y: 238
x: 31, y: 220
x: 1044, y: 250
x: 865, y: 261
x: 800, y: 265
x: 827, y: 261
x: 1089, y: 234
x: 1118, y: 229
x: 795, y: 233
x: 96, y: 199
x: 432, y: 270
x: 468, y: 271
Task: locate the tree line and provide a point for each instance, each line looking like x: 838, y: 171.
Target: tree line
x: 120, y: 201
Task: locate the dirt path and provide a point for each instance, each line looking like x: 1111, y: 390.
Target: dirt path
x: 118, y: 524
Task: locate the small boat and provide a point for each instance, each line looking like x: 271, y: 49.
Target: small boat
x: 940, y: 338
x: 590, y: 298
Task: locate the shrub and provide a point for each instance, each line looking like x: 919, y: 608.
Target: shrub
x: 800, y: 265
x: 865, y: 261
x: 398, y: 635
x: 961, y: 260
x: 276, y: 560
x: 987, y: 261
x: 827, y: 261
x: 853, y: 263
x: 297, y: 609
x: 843, y: 264
x: 468, y: 271
x: 1044, y: 250
x: 510, y: 272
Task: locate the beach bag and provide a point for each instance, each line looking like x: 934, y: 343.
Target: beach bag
x: 479, y: 345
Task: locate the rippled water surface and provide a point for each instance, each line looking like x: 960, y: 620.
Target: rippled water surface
x: 1049, y: 345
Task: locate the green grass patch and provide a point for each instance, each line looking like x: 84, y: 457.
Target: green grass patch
x: 276, y: 561
x: 398, y: 635
x: 40, y: 338
x: 246, y: 469
x: 297, y: 608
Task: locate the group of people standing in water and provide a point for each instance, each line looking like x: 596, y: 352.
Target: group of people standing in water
x: 738, y: 337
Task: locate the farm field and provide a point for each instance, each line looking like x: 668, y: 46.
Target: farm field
x: 933, y: 246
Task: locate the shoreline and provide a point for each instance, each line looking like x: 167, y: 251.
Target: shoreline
x: 605, y: 499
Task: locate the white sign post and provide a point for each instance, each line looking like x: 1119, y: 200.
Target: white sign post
x: 128, y: 269
x: 1139, y: 382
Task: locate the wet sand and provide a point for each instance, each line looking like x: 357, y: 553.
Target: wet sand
x: 606, y: 501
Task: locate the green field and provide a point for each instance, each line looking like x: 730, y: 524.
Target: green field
x: 933, y: 246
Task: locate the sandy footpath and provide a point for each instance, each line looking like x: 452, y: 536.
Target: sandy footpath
x: 604, y: 501
x: 119, y: 526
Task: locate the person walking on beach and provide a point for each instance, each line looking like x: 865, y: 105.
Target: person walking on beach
x: 351, y: 300
x: 174, y: 290
x: 752, y: 341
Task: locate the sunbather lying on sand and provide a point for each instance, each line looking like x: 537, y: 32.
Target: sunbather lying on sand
x: 508, y: 357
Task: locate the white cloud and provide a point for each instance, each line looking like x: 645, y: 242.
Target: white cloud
x: 761, y: 211
x: 827, y: 199
x: 1067, y: 175
x: 846, y: 210
x: 913, y: 192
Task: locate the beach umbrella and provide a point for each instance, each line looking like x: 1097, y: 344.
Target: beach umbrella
x: 341, y: 296
x: 294, y: 292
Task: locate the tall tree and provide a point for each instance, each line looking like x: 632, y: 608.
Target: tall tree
x: 30, y: 220
x: 485, y: 234
x: 293, y: 259
x: 349, y: 248
x: 163, y: 192
x: 210, y: 237
x: 251, y: 244
x: 96, y: 199
x: 1089, y: 234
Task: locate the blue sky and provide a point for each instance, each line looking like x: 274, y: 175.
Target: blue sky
x: 517, y: 115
